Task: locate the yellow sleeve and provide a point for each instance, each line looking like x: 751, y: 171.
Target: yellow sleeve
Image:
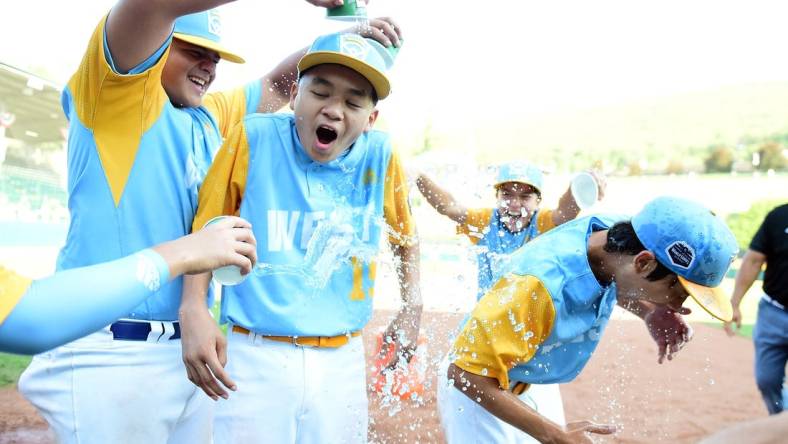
x: 544, y: 221
x: 227, y: 107
x: 477, y: 221
x: 12, y: 288
x: 505, y: 328
x: 117, y: 108
x: 224, y: 185
x: 396, y: 209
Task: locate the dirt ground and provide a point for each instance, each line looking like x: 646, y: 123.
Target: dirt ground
x: 708, y: 386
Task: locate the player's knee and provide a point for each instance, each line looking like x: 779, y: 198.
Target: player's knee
x: 769, y: 380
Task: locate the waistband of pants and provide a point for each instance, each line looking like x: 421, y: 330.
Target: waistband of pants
x: 303, y: 341
x: 147, y: 331
x: 771, y: 301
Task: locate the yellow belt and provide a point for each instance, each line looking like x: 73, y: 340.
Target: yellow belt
x: 308, y: 341
x: 520, y: 387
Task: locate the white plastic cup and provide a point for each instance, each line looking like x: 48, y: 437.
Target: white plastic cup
x: 585, y: 190
x: 230, y: 274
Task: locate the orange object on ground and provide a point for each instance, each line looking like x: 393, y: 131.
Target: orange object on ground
x: 400, y: 382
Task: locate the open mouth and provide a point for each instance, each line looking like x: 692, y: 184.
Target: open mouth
x: 325, y: 135
x: 202, y: 83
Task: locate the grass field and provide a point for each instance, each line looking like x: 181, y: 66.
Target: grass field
x: 11, y: 366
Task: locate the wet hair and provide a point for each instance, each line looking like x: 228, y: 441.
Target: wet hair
x: 373, y: 93
x: 621, y: 238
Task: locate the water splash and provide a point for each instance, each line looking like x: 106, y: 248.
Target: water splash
x: 333, y: 244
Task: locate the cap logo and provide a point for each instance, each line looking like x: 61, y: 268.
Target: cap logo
x: 214, y: 23
x: 354, y: 46
x: 680, y: 254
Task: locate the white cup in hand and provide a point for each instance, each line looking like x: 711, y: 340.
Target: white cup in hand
x: 230, y: 274
x: 585, y: 190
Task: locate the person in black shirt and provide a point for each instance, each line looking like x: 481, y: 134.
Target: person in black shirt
x: 769, y: 246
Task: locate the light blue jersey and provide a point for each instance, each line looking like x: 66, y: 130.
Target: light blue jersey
x: 135, y: 162
x: 542, y: 321
x: 494, y: 243
x: 304, y: 215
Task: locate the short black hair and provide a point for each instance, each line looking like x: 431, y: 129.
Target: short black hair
x: 621, y: 238
x: 374, y: 95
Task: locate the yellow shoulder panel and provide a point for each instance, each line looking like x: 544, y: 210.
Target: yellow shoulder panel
x: 12, y: 288
x: 477, y: 221
x: 224, y: 185
x: 228, y: 108
x: 544, y: 221
x: 117, y: 108
x: 505, y: 328
x: 396, y: 208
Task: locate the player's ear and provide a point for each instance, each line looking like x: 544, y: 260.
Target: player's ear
x: 645, y: 262
x: 373, y: 117
x: 293, y: 94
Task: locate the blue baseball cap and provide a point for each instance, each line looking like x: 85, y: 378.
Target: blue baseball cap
x: 692, y: 242
x: 520, y: 172
x: 352, y: 51
x: 204, y: 29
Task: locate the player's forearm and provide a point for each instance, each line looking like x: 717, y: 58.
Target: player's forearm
x: 276, y: 85
x: 440, y: 199
x: 751, y: 265
x: 195, y: 289
x: 136, y: 28
x: 567, y: 209
x: 408, y: 273
x: 73, y: 303
x: 504, y: 405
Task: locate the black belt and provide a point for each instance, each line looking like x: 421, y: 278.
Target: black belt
x: 140, y: 330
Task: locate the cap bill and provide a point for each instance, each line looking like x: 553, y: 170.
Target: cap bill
x: 210, y: 44
x: 714, y: 300
x: 375, y: 77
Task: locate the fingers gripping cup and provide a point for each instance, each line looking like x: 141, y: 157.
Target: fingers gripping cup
x: 231, y: 274
x: 351, y: 10
x: 585, y: 190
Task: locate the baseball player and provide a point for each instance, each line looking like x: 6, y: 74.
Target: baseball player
x: 498, y: 232
x: 142, y: 133
x: 36, y: 316
x: 542, y: 320
x: 294, y: 345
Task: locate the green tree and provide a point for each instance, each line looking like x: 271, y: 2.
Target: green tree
x: 720, y: 159
x: 743, y: 225
x: 772, y: 157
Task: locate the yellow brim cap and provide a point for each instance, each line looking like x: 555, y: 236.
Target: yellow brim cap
x: 522, y: 181
x: 210, y: 44
x: 712, y: 299
x: 374, y: 76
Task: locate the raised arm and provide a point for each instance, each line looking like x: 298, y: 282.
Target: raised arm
x: 440, y: 199
x: 137, y: 28
x: 567, y: 207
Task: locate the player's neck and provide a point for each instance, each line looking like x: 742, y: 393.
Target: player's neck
x: 603, y: 264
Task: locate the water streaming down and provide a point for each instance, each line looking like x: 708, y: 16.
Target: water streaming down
x: 333, y: 244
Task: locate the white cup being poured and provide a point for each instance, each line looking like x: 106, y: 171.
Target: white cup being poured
x: 585, y: 190
x: 230, y: 274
